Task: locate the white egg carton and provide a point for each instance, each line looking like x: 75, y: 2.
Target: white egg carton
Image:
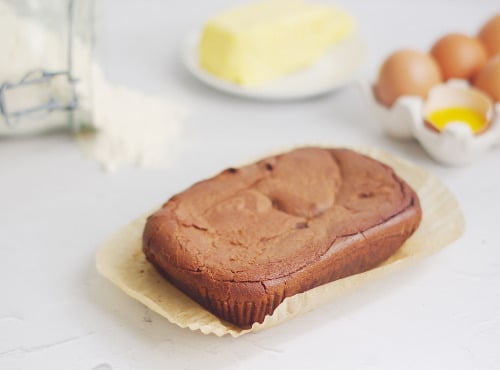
x: 456, y: 144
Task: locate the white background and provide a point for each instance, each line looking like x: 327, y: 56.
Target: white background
x: 56, y: 206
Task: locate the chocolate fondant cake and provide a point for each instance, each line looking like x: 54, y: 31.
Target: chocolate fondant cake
x: 241, y: 242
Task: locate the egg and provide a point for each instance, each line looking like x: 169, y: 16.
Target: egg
x: 490, y: 35
x: 488, y: 79
x: 406, y: 72
x: 459, y: 56
x: 449, y: 104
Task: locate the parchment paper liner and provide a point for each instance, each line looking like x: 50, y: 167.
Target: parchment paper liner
x: 121, y: 260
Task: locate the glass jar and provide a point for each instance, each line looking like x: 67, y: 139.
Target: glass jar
x: 45, y: 65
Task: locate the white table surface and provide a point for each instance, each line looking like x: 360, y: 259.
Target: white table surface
x: 56, y: 206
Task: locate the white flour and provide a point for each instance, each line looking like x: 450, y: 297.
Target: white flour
x: 133, y: 128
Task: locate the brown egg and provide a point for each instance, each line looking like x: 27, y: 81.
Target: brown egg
x: 459, y: 56
x: 406, y: 72
x: 488, y: 79
x: 490, y: 35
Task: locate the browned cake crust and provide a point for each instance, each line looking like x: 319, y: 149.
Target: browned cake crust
x: 241, y: 242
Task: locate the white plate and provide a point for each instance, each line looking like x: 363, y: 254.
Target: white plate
x: 335, y: 69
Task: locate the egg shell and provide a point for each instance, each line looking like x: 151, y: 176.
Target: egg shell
x: 459, y: 56
x: 488, y: 78
x: 406, y: 72
x: 456, y: 145
x: 490, y: 35
x: 450, y: 95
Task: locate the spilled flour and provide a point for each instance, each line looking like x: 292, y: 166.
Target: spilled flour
x: 133, y: 128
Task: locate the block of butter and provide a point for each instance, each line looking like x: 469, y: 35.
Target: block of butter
x: 255, y: 43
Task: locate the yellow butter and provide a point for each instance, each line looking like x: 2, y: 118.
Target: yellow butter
x: 440, y: 118
x: 255, y: 43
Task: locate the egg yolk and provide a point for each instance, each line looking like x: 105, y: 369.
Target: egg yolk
x: 440, y: 118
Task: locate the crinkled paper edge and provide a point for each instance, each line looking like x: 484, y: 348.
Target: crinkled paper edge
x: 120, y: 259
